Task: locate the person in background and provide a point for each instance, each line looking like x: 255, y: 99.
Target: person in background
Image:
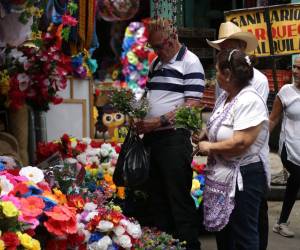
x: 287, y: 104
x: 232, y: 37
x: 237, y: 148
x: 176, y: 78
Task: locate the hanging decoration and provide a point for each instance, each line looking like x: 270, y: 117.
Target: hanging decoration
x: 170, y: 10
x: 135, y: 56
x: 118, y: 10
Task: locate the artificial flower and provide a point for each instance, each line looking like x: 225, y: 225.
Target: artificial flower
x: 33, y: 174
x: 9, y: 209
x: 11, y: 240
x: 5, y: 185
x: 32, y: 206
x: 69, y: 20
x: 105, y: 226
x: 2, y: 246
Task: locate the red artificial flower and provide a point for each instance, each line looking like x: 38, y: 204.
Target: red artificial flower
x: 19, y: 189
x: 44, y: 186
x: 14, y: 172
x: 117, y: 149
x: 69, y: 20
x: 93, y: 223
x: 80, y: 147
x: 45, y: 150
x: 75, y: 240
x: 32, y: 206
x: 30, y: 232
x: 76, y: 201
x: 96, y: 144
x: 57, y: 245
x: 56, y: 100
x: 11, y: 240
x: 62, y: 220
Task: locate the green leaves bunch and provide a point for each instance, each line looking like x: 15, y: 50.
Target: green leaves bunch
x: 124, y: 101
x: 189, y: 118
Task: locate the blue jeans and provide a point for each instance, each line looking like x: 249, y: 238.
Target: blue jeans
x: 242, y: 232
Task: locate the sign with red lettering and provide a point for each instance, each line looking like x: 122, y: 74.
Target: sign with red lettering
x: 284, y: 25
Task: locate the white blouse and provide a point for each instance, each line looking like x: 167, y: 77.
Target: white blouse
x: 289, y: 95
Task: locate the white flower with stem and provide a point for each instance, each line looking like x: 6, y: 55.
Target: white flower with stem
x: 102, y: 244
x: 33, y: 174
x: 5, y: 185
x: 105, y: 226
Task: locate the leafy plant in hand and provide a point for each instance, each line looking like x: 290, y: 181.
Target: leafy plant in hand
x: 189, y: 118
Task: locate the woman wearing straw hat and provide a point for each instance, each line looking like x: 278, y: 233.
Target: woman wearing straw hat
x: 232, y: 37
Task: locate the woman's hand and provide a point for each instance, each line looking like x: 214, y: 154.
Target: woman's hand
x: 197, y: 137
x: 204, y: 147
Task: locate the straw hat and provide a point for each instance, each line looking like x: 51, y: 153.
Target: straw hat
x: 229, y: 30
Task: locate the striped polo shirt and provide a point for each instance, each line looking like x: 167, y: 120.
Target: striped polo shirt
x: 170, y: 84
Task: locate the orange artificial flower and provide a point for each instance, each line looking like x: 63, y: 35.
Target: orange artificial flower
x: 32, y: 206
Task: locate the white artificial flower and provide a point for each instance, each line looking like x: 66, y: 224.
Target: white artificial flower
x: 5, y: 185
x: 70, y: 160
x: 14, y: 53
x: 102, y: 244
x: 90, y: 206
x: 124, y: 241
x: 82, y: 158
x: 105, y: 226
x: 91, y: 215
x: 23, y: 80
x: 73, y: 143
x: 33, y: 174
x: 105, y: 166
x: 119, y: 230
x: 134, y: 230
x: 104, y: 152
x: 111, y: 170
x: 87, y: 140
x: 106, y: 146
x: 124, y: 222
x: 94, y: 159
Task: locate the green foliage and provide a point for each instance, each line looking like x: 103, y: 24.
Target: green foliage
x: 124, y: 101
x: 65, y: 33
x: 72, y: 7
x: 189, y: 118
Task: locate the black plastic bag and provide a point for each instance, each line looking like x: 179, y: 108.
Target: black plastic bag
x: 132, y: 168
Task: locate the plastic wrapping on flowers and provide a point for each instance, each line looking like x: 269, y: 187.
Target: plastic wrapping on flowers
x: 135, y: 56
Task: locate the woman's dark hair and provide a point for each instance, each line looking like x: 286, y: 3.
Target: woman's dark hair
x: 239, y: 64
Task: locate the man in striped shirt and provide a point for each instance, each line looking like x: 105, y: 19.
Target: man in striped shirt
x: 176, y: 78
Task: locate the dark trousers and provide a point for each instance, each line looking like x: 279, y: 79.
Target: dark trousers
x: 263, y: 224
x: 292, y: 186
x: 242, y: 231
x: 173, y: 210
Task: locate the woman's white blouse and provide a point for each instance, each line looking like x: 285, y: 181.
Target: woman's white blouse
x: 290, y: 130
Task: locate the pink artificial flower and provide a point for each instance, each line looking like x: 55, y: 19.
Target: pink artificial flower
x: 69, y: 20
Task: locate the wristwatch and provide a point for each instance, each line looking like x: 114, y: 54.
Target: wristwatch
x: 164, y: 121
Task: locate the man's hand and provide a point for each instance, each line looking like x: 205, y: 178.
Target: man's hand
x: 147, y: 125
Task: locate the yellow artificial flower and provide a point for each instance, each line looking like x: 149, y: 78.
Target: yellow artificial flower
x: 95, y: 114
x: 121, y: 193
x: 36, y: 35
x: 62, y: 199
x: 4, y: 82
x: 2, y: 246
x: 36, y: 245
x: 116, y: 208
x: 9, y: 209
x: 26, y: 240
